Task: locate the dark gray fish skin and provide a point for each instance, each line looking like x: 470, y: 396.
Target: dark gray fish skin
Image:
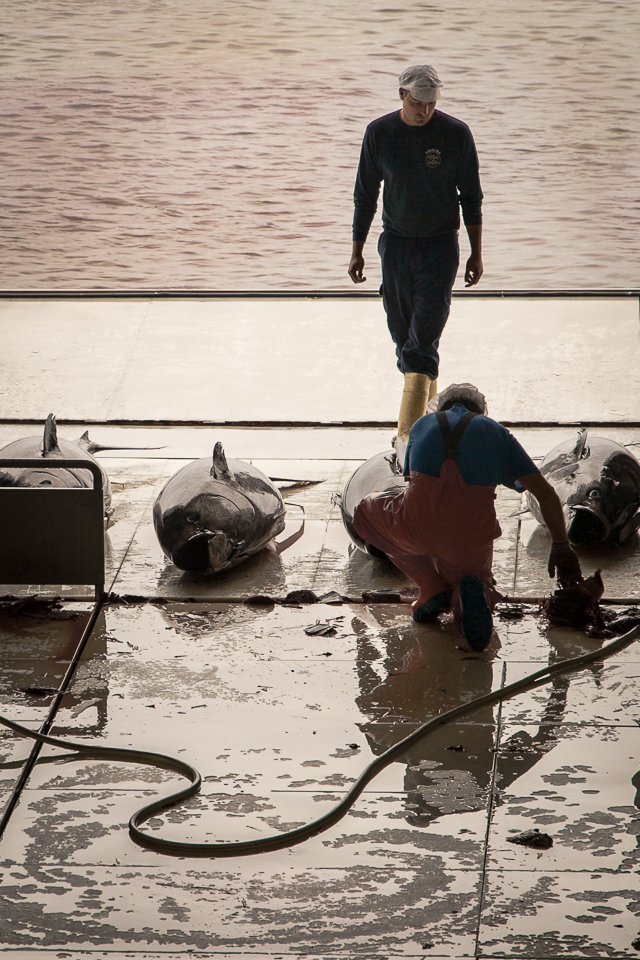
x: 212, y: 515
x: 46, y: 449
x: 380, y: 473
x: 598, y: 482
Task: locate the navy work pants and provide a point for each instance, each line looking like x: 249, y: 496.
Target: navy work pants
x: 417, y: 279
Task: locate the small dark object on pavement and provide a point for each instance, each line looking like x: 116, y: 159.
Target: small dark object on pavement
x: 38, y: 608
x: 636, y: 943
x: 332, y: 597
x: 301, y: 596
x: 577, y: 606
x: 381, y: 596
x: 532, y: 838
x: 510, y: 611
x: 624, y: 624
x: 260, y: 600
x: 320, y: 630
x: 457, y: 747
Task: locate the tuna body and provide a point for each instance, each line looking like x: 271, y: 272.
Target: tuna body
x: 380, y: 474
x: 213, y: 515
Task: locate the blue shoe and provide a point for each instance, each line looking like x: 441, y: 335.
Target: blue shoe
x: 431, y: 610
x: 477, y: 623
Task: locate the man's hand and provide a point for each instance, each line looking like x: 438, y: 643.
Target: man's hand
x: 356, y: 264
x: 564, y: 560
x: 474, y: 268
x: 473, y: 271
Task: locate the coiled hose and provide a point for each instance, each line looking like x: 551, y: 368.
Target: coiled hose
x: 239, y: 848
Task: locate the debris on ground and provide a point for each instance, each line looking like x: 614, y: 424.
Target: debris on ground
x: 382, y: 596
x: 301, y: 596
x: 49, y: 608
x: 578, y: 607
x: 624, y: 624
x: 532, y: 838
x: 321, y: 629
x: 511, y: 611
x: 332, y: 597
x: 260, y: 600
x: 113, y: 599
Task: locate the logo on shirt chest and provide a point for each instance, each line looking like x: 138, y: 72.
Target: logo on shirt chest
x: 432, y: 158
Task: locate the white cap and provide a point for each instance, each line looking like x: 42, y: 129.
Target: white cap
x: 464, y: 393
x: 421, y: 82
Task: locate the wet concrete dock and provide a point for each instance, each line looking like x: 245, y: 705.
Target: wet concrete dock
x: 280, y: 722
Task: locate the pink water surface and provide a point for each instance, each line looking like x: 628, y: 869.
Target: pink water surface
x: 208, y: 145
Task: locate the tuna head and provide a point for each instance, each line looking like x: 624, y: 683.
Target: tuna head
x: 602, y: 508
x: 598, y: 483
x: 202, y: 520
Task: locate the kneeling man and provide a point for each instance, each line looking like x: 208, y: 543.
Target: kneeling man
x: 440, y: 530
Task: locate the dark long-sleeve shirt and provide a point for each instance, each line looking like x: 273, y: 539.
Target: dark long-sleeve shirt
x: 429, y: 172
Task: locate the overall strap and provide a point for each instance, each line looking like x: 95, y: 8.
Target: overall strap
x: 452, y: 437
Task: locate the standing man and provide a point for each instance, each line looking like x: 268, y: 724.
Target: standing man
x: 429, y: 165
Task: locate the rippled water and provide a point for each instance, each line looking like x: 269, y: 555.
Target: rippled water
x: 199, y: 144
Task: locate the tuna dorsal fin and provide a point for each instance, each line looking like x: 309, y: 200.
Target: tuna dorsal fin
x: 220, y: 469
x: 50, y: 438
x: 581, y: 450
x: 86, y: 443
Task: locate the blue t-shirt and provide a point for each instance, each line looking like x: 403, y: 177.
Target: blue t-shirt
x: 487, y: 455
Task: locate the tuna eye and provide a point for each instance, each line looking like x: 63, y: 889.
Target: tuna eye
x: 192, y: 518
x: 594, y: 494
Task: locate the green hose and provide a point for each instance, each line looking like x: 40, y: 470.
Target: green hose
x: 239, y: 848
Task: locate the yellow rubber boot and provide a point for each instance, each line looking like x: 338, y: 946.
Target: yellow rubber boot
x: 414, y: 402
x: 433, y: 389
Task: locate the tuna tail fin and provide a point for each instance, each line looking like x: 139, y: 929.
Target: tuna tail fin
x: 220, y: 469
x: 581, y: 450
x: 50, y: 438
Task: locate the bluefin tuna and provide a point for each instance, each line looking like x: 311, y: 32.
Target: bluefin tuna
x: 382, y: 473
x: 598, y: 482
x: 214, y: 513
x: 45, y: 451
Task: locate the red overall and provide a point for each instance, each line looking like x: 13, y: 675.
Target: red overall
x: 438, y: 530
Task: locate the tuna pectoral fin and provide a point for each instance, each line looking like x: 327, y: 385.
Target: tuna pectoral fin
x: 282, y: 545
x: 520, y: 513
x: 629, y: 528
x: 581, y: 450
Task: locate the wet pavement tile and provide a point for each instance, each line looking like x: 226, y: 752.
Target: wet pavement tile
x: 323, y: 559
x: 279, y: 735
x: 266, y: 907
x: 560, y: 914
x: 580, y: 785
x: 618, y: 563
x: 37, y: 646
x: 146, y: 571
x: 605, y: 693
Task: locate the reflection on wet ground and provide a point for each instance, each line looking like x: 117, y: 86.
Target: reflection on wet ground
x: 281, y: 722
